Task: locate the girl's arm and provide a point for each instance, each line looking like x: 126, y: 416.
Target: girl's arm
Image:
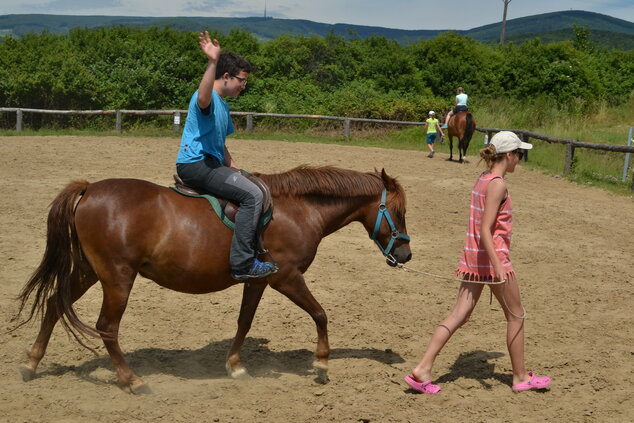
x: 495, y: 194
x: 439, y: 129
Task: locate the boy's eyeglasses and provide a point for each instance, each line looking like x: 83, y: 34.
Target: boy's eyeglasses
x: 243, y: 81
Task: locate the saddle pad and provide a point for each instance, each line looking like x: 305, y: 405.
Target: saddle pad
x: 265, y: 218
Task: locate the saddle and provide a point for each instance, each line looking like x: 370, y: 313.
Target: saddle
x: 227, y: 210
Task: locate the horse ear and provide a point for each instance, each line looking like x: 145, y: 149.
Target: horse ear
x: 388, y: 181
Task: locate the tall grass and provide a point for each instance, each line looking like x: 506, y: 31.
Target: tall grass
x: 601, y: 124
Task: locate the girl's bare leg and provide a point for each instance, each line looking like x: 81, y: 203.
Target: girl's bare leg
x: 468, y: 295
x: 508, y: 295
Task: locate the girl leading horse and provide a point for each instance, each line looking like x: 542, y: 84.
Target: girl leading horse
x: 112, y: 230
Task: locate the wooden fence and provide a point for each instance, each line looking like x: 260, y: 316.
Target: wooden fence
x: 571, y: 145
x: 177, y: 117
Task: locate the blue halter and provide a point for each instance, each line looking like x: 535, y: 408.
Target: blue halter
x: 385, y: 213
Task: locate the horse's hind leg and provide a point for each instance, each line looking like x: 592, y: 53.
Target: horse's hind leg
x: 296, y: 290
x: 251, y: 296
x: 116, y: 291
x: 79, y: 286
x: 450, y: 148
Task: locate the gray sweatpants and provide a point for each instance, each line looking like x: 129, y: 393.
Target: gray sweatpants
x: 225, y: 182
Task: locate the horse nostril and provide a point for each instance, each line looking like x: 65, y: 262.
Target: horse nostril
x: 409, y: 257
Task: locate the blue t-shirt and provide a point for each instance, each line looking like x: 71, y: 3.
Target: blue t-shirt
x: 205, y: 134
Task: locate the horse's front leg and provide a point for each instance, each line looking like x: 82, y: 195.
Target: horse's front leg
x: 251, y: 296
x: 296, y: 290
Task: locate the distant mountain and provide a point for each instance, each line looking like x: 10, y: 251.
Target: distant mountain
x: 549, y: 22
x: 554, y: 26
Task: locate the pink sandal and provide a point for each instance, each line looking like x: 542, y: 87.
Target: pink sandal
x: 535, y: 382
x: 422, y: 387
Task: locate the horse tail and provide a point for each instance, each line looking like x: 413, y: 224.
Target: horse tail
x: 61, y: 264
x: 470, y: 128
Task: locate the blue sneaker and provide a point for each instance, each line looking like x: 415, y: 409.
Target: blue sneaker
x: 258, y: 269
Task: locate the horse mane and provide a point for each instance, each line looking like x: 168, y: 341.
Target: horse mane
x: 330, y: 181
x: 323, y: 180
x: 333, y: 182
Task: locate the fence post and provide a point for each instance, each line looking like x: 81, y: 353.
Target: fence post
x: 18, y: 120
x: 570, y: 155
x: 487, y: 138
x: 177, y: 122
x: 249, y: 123
x: 117, y: 125
x: 346, y: 128
x: 626, y: 164
x: 525, y: 138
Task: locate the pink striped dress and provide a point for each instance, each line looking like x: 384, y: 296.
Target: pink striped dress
x: 474, y: 262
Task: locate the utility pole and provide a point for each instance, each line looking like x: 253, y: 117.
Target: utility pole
x: 503, y: 32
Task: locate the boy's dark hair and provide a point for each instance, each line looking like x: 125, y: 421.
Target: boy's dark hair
x: 232, y: 64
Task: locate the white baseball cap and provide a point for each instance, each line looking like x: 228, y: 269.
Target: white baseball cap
x: 431, y: 112
x: 505, y: 141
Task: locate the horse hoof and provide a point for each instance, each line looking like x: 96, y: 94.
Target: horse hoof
x: 139, y: 387
x: 238, y: 374
x: 321, y: 371
x: 27, y: 372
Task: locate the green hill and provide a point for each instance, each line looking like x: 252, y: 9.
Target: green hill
x: 600, y: 38
x: 556, y: 26
x: 549, y: 22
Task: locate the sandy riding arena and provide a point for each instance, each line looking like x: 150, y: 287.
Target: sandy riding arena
x: 573, y: 249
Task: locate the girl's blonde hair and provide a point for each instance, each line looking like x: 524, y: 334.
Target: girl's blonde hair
x: 490, y: 155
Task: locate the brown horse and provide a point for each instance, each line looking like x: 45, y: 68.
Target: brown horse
x: 114, y: 229
x: 461, y: 125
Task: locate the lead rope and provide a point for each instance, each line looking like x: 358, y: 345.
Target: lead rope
x: 409, y: 269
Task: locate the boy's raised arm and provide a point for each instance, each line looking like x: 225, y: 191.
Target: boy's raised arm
x: 212, y: 51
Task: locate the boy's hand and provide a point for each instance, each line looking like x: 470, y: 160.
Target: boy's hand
x: 209, y: 47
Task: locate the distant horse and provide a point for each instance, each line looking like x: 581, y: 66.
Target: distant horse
x: 461, y: 125
x: 112, y: 230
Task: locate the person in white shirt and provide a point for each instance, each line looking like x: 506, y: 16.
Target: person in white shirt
x: 461, y: 105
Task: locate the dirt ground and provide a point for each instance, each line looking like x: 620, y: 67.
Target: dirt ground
x: 573, y: 250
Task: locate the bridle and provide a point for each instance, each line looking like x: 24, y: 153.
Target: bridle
x: 384, y: 213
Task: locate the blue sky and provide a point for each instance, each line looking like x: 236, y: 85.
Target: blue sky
x: 404, y: 14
